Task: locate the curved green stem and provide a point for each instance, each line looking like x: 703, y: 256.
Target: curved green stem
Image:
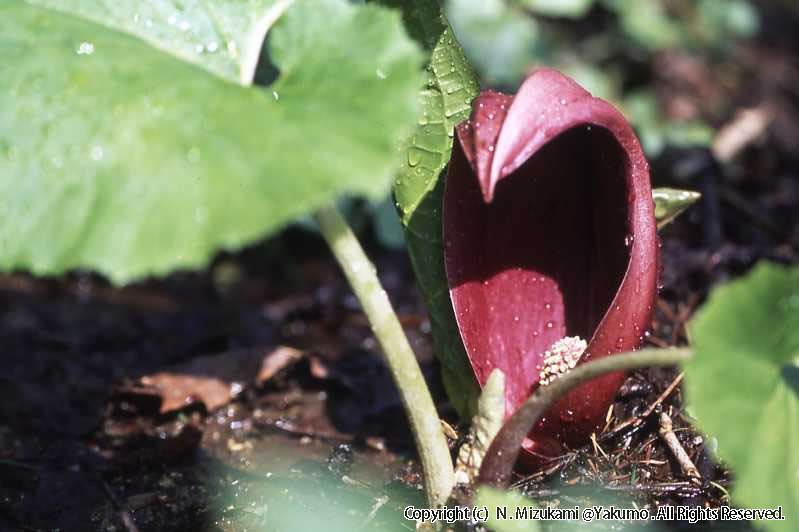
x: 428, y: 435
x: 504, y: 451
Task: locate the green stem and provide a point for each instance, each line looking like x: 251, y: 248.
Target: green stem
x: 504, y: 451
x: 430, y: 440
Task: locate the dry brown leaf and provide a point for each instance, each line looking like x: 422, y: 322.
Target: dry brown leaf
x: 217, y: 379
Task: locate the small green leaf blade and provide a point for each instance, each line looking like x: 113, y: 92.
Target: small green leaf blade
x: 450, y: 86
x: 446, y: 99
x: 743, y: 385
x: 121, y: 158
x: 671, y: 202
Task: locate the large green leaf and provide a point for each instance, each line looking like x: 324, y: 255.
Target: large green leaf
x: 743, y: 385
x: 117, y: 156
x: 446, y: 101
x: 224, y: 37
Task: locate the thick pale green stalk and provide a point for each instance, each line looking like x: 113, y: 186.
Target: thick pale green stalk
x: 430, y: 440
x: 504, y: 451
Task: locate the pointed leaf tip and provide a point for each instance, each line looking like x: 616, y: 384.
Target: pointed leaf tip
x: 671, y: 202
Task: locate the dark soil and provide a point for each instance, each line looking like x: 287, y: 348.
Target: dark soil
x: 83, y: 447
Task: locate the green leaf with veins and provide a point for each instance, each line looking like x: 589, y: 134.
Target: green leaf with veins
x: 446, y: 99
x: 117, y: 155
x: 743, y: 385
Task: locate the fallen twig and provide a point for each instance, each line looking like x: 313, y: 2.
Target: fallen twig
x: 124, y: 512
x: 637, y: 420
x: 677, y: 450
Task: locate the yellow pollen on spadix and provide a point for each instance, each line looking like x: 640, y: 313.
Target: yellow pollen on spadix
x: 561, y: 357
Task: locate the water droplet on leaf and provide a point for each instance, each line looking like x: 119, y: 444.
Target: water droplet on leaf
x: 96, y: 153
x: 414, y: 157
x: 85, y: 48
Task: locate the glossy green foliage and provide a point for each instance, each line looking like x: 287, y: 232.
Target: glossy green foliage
x: 743, y: 385
x: 446, y: 100
x: 120, y: 151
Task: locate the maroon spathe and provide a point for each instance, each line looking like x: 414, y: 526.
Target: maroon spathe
x: 549, y: 232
